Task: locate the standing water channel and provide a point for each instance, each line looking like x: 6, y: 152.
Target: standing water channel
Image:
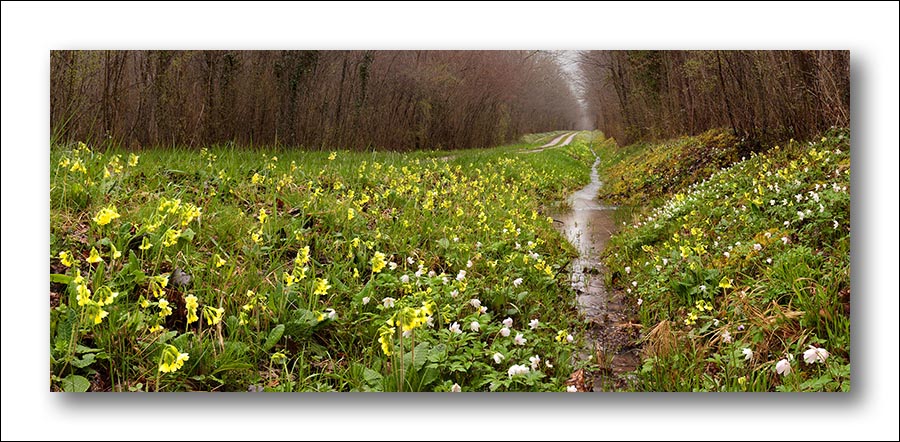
x: 588, y: 226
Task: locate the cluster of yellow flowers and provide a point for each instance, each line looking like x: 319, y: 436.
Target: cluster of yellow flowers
x: 106, y: 215
x: 378, y: 262
x: 213, y: 315
x: 93, y: 303
x: 171, y: 359
x: 700, y: 307
x: 191, y: 304
x: 254, y: 301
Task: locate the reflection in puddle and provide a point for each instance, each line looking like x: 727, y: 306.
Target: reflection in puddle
x: 588, y: 226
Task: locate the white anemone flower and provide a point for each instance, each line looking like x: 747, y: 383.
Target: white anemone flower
x: 783, y: 367
x: 815, y: 354
x: 517, y: 369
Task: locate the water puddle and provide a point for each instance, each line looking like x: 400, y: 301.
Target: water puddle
x: 588, y: 226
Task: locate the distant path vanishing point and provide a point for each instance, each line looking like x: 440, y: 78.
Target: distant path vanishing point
x: 556, y: 142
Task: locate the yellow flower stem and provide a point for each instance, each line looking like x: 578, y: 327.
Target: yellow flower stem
x: 402, y: 369
x: 159, y: 373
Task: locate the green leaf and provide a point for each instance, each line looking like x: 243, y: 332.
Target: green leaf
x: 84, y: 349
x: 373, y: 379
x: 75, y: 384
x: 422, y: 351
x: 444, y: 242
x: 98, y: 274
x: 274, y: 336
x: 61, y: 279
x: 188, y: 234
x: 86, y: 360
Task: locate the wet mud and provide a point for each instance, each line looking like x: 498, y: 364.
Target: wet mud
x: 588, y: 225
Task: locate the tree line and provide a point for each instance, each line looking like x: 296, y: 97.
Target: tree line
x: 400, y: 100
x: 759, y: 95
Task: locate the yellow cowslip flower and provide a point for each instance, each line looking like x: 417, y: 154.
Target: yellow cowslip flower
x: 64, y: 163
x: 83, y: 295
x: 188, y: 213
x: 256, y: 237
x: 144, y: 302
x: 94, y: 257
x: 106, y: 296
x: 191, y: 304
x: 157, y: 328
x: 278, y: 358
x: 218, y: 261
x: 350, y: 214
x: 302, y: 257
x: 257, y: 179
x: 725, y: 283
x: 321, y: 286
x: 213, y: 315
x: 386, y: 339
x: 562, y: 335
x: 172, y: 359
x: 65, y: 258
x: 145, y: 244
x: 106, y: 215
x: 99, y: 314
x: 170, y: 238
x: 164, y: 309
x: 262, y: 216
x: 378, y: 262
x: 78, y: 166
x: 332, y: 156
x: 289, y: 279
x: 133, y: 160
x: 114, y: 253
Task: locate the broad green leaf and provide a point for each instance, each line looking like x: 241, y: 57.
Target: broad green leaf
x: 75, y: 384
x: 274, y: 336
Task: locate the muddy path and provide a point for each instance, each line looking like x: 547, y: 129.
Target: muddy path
x: 588, y: 225
x: 555, y: 142
x: 552, y: 143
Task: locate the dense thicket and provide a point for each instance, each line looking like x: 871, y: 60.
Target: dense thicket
x: 758, y: 94
x: 337, y: 99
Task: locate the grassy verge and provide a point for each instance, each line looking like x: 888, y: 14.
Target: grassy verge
x: 231, y: 270
x: 647, y: 173
x: 741, y: 279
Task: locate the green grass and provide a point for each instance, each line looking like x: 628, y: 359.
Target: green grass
x: 755, y: 256
x: 647, y: 173
x: 239, y: 223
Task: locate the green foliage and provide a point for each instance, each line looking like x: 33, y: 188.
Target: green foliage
x: 754, y: 256
x: 234, y: 269
x: 644, y: 173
